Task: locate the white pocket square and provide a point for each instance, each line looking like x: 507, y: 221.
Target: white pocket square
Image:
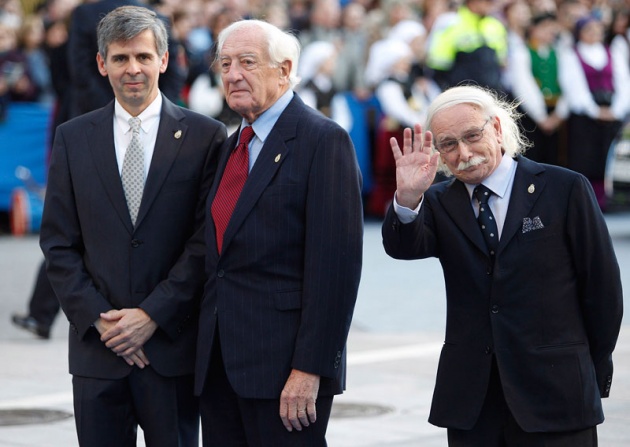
x: 532, y: 224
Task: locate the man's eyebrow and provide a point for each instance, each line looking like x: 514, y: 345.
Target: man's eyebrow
x: 239, y: 56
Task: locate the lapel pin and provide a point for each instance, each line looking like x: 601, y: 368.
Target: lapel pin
x: 277, y: 158
x: 531, y: 189
x: 178, y: 134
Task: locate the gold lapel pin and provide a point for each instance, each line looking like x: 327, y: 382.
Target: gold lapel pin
x: 178, y: 134
x: 277, y: 159
x: 531, y: 189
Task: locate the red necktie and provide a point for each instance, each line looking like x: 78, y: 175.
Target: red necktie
x: 231, y: 184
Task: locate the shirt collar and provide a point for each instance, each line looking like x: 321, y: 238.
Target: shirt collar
x: 148, y: 118
x: 265, y: 122
x: 500, y: 179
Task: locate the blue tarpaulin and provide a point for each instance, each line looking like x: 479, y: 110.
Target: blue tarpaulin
x: 24, y: 137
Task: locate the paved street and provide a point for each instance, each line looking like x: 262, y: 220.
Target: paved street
x: 393, y: 351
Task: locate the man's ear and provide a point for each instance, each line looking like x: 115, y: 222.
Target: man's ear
x: 101, y: 65
x: 285, y: 70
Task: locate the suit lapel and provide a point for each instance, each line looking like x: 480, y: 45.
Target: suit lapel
x: 271, y: 157
x: 528, y: 186
x: 456, y: 202
x: 101, y: 137
x: 170, y: 136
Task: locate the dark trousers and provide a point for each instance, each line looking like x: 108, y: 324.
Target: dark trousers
x: 43, y: 305
x: 229, y: 420
x: 108, y: 412
x: 496, y: 427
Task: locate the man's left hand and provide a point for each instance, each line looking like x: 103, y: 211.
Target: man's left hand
x: 297, y: 401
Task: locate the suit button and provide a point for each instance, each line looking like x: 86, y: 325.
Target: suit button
x: 135, y: 243
x: 495, y: 309
x: 488, y: 350
x: 221, y: 273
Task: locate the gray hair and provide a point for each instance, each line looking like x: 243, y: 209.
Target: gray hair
x: 514, y: 142
x: 126, y: 22
x: 281, y: 45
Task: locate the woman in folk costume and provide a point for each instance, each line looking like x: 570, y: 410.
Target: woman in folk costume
x: 534, y: 72
x: 596, y: 80
x: 316, y: 69
x: 403, y: 97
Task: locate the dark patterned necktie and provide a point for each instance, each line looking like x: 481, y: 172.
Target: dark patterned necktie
x: 231, y: 185
x: 132, y: 174
x: 486, y: 220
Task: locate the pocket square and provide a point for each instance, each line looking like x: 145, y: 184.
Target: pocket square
x: 532, y: 224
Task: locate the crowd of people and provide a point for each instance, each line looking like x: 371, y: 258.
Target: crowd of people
x: 373, y: 66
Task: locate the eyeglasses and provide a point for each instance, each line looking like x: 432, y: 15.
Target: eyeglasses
x: 449, y: 145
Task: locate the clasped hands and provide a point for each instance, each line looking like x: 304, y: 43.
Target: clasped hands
x: 416, y: 165
x: 125, y: 332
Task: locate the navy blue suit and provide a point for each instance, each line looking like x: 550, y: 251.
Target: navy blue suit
x: 97, y: 261
x: 548, y: 309
x: 282, y: 293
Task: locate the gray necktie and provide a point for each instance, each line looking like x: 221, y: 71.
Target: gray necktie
x: 133, y: 170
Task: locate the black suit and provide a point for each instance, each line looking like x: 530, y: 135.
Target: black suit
x: 91, y: 90
x: 282, y: 293
x: 97, y: 261
x: 548, y: 310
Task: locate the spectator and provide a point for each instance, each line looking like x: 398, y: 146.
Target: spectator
x: 569, y: 12
x: 16, y: 82
x: 472, y: 48
x: 618, y: 34
x: 316, y: 69
x: 403, y: 103
x: 535, y: 83
x: 325, y: 18
x: 206, y: 92
x: 598, y: 80
x: 353, y: 47
x: 31, y: 39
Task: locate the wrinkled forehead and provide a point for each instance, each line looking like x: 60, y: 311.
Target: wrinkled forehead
x: 457, y: 118
x: 247, y: 40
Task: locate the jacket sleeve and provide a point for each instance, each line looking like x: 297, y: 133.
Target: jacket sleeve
x: 62, y: 244
x: 600, y: 281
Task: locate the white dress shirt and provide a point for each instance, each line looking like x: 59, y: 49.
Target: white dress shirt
x: 149, y: 122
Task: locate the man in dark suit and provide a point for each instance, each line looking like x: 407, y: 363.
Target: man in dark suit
x: 125, y: 251
x: 284, y: 269
x: 90, y: 90
x: 534, y: 300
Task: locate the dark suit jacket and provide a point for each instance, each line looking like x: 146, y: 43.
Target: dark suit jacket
x: 98, y: 262
x: 91, y: 90
x: 282, y: 293
x: 549, y: 309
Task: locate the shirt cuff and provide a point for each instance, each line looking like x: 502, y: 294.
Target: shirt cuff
x: 407, y: 215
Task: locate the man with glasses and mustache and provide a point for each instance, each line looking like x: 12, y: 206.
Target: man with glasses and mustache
x: 534, y: 299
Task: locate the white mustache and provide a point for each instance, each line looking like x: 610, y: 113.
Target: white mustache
x: 476, y: 160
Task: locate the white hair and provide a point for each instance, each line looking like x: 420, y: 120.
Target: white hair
x: 513, y: 142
